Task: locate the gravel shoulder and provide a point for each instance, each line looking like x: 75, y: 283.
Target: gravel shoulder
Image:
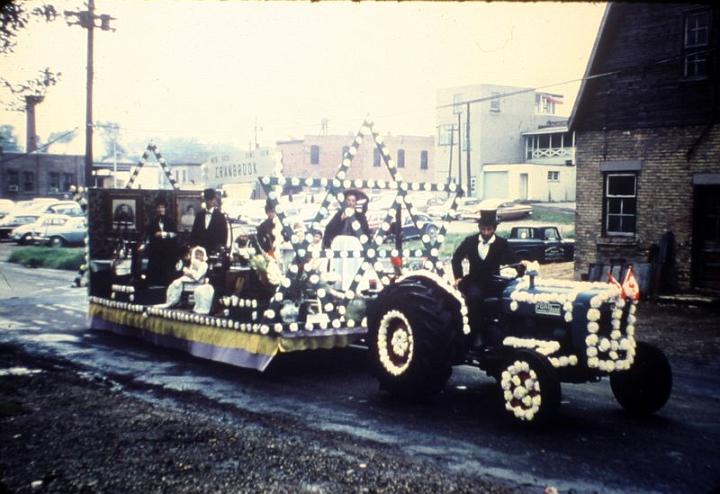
x: 62, y: 430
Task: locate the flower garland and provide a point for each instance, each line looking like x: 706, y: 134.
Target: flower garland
x: 521, y: 390
x: 401, y: 343
x: 617, y: 344
x: 544, y: 348
x: 448, y: 288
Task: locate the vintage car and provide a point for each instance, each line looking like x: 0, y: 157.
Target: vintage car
x: 506, y: 209
x: 542, y: 243
x: 16, y: 219
x: 6, y: 206
x: 59, y: 230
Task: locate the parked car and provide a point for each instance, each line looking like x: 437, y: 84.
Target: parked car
x: 16, y: 219
x: 58, y: 230
x: 506, y: 209
x: 409, y: 231
x: 442, y: 211
x: 70, y: 208
x: 23, y: 233
x: 6, y: 206
x: 540, y: 243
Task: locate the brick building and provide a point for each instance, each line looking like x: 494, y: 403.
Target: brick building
x: 26, y: 176
x: 320, y: 156
x: 648, y: 144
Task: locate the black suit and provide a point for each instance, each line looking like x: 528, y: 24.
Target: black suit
x: 477, y: 284
x: 214, y: 236
x: 161, y: 252
x: 482, y: 270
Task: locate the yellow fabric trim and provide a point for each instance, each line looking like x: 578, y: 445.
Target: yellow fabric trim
x: 220, y: 337
x: 211, y: 335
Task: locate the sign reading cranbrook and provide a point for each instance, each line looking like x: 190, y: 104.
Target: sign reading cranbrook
x: 239, y: 168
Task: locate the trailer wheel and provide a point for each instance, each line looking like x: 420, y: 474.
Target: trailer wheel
x: 530, y: 386
x: 415, y: 332
x: 645, y: 387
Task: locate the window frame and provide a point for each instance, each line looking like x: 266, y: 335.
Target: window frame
x: 424, y: 159
x: 606, y: 209
x: 401, y: 158
x: 553, y: 176
x: 495, y: 102
x: 696, y: 63
x: 314, y: 154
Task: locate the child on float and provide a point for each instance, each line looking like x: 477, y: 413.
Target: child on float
x: 195, y: 273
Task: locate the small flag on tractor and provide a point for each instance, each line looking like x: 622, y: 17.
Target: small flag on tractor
x: 630, y: 288
x: 614, y: 282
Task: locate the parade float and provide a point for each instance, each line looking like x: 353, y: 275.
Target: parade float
x: 399, y: 303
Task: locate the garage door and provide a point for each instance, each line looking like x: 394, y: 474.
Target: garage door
x: 495, y: 184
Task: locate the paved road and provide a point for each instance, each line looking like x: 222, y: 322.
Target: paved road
x: 592, y: 447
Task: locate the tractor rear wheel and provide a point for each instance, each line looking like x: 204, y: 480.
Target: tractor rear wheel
x: 415, y: 332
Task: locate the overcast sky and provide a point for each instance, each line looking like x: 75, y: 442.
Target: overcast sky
x: 210, y: 69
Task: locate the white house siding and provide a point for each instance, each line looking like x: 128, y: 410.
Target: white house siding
x: 539, y: 188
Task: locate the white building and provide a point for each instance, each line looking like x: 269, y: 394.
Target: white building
x: 515, y: 141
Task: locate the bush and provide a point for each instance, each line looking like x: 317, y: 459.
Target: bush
x: 54, y: 258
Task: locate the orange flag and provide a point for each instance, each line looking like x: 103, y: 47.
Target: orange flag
x: 630, y: 286
x: 613, y: 281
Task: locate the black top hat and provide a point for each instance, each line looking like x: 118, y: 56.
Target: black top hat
x: 209, y: 194
x: 488, y: 217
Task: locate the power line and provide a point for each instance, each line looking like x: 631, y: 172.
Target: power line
x: 41, y: 148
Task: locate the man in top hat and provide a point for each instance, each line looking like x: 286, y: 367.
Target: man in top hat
x: 210, y: 229
x: 485, y: 252
x: 349, y: 220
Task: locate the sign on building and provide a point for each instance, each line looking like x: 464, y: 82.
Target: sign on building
x: 244, y: 167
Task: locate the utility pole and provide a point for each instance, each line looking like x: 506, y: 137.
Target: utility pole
x: 467, y: 144
x: 256, y: 128
x: 452, y: 145
x: 86, y: 19
x: 460, y: 149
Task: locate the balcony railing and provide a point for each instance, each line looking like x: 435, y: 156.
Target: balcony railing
x: 551, y: 153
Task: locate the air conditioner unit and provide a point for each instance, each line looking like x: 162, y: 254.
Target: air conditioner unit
x: 12, y: 188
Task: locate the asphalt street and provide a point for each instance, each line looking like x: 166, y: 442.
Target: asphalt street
x: 592, y: 446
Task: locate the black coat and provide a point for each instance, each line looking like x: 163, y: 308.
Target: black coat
x: 162, y: 252
x: 214, y: 236
x: 481, y: 271
x: 337, y: 226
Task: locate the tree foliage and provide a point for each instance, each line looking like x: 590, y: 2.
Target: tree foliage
x: 15, y: 16
x: 8, y: 139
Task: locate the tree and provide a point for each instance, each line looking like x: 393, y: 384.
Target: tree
x: 15, y: 16
x: 110, y: 132
x: 8, y: 139
x: 30, y: 92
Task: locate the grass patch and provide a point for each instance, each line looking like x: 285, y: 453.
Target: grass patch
x: 553, y: 215
x: 46, y: 257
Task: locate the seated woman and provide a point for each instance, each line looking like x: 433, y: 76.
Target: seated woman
x: 195, y: 273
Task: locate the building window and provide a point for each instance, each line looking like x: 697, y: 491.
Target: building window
x: 12, y: 179
x: 696, y: 41
x: 54, y: 181
x: 495, y: 102
x: 445, y: 135
x: 314, y: 155
x: 620, y: 203
x: 423, y: 160
x: 376, y: 157
x: 401, y: 158
x: 553, y: 176
x: 28, y: 182
x: 68, y: 180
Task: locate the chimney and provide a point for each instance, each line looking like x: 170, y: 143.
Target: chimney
x: 30, y: 103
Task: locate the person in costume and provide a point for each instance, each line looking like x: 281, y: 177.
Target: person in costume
x: 483, y: 253
x: 349, y: 220
x: 160, y: 245
x: 210, y: 230
x: 195, y: 273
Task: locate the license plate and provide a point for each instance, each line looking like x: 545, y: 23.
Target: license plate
x: 548, y: 308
